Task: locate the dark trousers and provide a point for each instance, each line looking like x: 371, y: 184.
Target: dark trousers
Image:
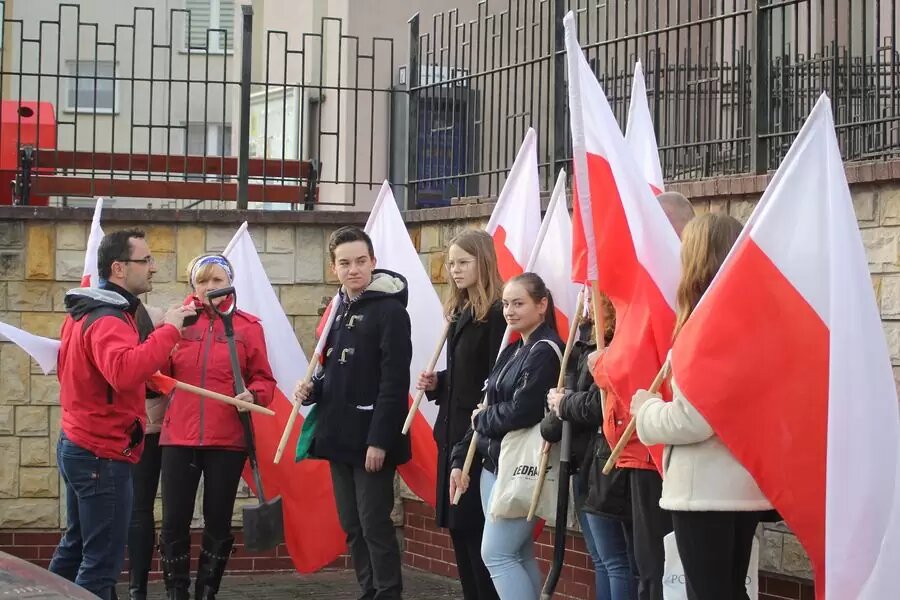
x: 364, y: 504
x: 181, y: 470
x: 98, y: 506
x: 142, y: 529
x: 473, y: 575
x: 650, y: 524
x: 715, y: 552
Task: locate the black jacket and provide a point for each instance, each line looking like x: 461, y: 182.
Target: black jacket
x: 581, y: 406
x: 517, y: 394
x: 362, y: 392
x: 472, y: 348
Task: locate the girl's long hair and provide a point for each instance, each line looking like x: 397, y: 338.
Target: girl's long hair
x: 705, y: 243
x: 488, y: 286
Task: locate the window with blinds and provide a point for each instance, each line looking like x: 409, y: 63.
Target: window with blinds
x: 211, y: 25
x: 92, y: 86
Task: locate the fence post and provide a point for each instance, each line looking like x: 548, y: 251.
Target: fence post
x: 759, y: 115
x: 412, y: 115
x: 560, y: 93
x: 244, y: 140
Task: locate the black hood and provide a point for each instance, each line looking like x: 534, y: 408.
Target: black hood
x: 386, y: 284
x: 81, y: 301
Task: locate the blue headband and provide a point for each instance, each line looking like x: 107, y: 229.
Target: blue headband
x: 212, y: 259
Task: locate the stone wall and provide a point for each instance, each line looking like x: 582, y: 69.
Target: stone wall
x: 42, y: 254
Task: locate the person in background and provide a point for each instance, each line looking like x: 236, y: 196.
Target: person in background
x: 475, y: 313
x: 142, y: 529
x: 581, y: 404
x: 650, y: 524
x: 516, y: 399
x: 714, y: 502
x: 103, y: 368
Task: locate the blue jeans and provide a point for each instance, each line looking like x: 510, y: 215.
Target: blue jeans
x: 98, y: 503
x: 605, y: 541
x: 507, y: 548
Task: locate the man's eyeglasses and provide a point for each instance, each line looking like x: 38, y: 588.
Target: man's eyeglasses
x: 149, y: 260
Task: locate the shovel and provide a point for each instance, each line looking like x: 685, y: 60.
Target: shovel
x: 263, y: 523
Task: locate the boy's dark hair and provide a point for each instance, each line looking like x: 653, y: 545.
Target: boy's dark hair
x: 115, y: 246
x: 346, y: 235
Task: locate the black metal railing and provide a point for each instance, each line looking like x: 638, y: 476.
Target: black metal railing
x: 205, y: 110
x: 729, y: 83
x: 159, y: 106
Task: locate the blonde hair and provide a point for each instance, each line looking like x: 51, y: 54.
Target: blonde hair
x: 488, y: 286
x: 204, y: 271
x: 706, y: 241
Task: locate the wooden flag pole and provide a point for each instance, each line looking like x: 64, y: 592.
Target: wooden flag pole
x: 310, y: 371
x: 414, y: 408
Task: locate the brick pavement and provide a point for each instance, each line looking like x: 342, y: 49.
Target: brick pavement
x: 333, y: 585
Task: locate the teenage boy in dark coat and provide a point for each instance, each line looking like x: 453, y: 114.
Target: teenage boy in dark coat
x: 362, y: 396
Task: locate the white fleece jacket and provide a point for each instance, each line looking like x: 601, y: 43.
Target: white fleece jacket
x: 699, y: 472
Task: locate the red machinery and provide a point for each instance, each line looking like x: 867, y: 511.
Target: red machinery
x: 24, y: 127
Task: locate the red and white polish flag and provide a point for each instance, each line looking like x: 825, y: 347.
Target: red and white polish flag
x: 622, y: 239
x: 516, y: 218
x: 552, y: 257
x: 91, y: 275
x: 787, y: 360
x: 640, y: 135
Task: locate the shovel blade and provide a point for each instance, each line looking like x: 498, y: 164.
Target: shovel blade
x: 263, y: 525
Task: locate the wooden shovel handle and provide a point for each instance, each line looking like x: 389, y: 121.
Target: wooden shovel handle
x: 223, y: 398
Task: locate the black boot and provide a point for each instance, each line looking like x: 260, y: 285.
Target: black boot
x: 140, y: 555
x: 213, y: 558
x: 176, y: 565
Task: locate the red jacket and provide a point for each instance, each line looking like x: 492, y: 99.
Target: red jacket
x: 202, y: 358
x: 102, y: 371
x: 617, y: 415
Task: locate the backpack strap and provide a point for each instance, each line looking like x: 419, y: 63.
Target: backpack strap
x: 91, y: 318
x: 553, y: 345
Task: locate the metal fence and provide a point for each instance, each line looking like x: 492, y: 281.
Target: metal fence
x: 729, y: 83
x: 170, y: 104
x: 159, y: 105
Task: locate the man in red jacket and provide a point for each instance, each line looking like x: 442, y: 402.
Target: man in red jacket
x: 102, y: 370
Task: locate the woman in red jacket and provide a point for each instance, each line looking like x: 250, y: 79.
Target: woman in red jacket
x: 205, y: 437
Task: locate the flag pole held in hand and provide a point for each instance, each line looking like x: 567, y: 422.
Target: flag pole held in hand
x: 632, y: 425
x: 310, y: 371
x: 414, y: 408
x: 560, y: 383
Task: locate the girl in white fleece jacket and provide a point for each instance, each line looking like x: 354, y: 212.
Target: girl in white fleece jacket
x: 715, y: 503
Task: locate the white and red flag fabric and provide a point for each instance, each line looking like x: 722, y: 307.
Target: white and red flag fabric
x: 621, y: 237
x: 46, y: 350
x: 91, y: 275
x: 395, y: 251
x: 640, y: 136
x: 786, y: 358
x: 312, y: 532
x: 516, y: 219
x: 552, y: 257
